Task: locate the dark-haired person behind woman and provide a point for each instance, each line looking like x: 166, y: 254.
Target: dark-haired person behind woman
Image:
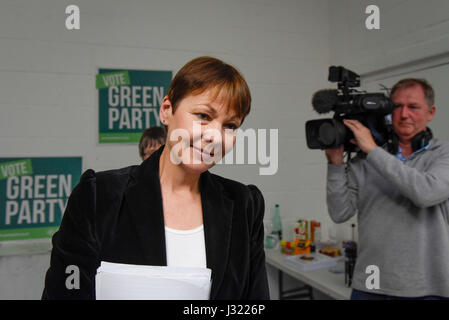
x: 151, y: 140
x: 167, y: 212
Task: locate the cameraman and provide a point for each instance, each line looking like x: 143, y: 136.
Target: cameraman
x: 402, y: 200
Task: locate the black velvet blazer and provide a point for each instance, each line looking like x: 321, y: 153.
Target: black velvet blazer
x: 117, y: 216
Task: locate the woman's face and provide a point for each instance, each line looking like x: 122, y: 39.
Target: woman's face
x: 200, y: 132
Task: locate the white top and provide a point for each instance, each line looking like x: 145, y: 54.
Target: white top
x: 185, y: 248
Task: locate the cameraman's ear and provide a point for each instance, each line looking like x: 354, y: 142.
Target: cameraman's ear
x: 432, y: 111
x: 165, y: 112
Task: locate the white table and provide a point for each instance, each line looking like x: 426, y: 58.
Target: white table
x: 331, y: 284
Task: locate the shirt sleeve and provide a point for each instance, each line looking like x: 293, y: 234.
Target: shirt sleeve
x: 74, y: 257
x: 341, y: 193
x: 258, y: 287
x: 425, y: 188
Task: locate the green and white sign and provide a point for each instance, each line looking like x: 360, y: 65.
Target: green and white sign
x: 34, y: 194
x: 129, y: 102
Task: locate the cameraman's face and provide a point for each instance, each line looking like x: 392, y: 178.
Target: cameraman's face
x: 412, y: 114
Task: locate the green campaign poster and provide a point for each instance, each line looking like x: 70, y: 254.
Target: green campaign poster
x: 33, y: 195
x: 129, y: 102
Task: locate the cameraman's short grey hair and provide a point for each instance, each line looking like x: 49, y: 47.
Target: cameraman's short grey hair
x: 429, y: 94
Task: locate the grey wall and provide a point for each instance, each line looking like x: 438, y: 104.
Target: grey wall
x: 409, y: 30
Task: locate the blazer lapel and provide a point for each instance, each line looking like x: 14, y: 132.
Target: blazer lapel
x: 217, y: 219
x: 144, y: 201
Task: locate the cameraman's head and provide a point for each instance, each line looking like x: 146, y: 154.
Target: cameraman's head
x: 415, y: 107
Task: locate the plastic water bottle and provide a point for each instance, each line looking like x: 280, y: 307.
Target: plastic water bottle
x: 277, y: 224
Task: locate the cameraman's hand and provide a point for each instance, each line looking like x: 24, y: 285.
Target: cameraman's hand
x: 362, y: 135
x: 335, y: 156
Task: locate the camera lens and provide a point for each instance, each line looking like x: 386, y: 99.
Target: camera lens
x: 327, y: 134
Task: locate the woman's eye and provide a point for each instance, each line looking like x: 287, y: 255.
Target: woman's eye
x: 231, y: 126
x: 203, y: 116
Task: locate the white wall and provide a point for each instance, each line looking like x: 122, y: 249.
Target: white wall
x: 48, y: 99
x: 409, y: 30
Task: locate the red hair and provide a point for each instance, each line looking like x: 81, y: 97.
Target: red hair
x: 204, y: 73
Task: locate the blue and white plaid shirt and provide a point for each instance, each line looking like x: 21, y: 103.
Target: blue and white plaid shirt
x: 403, y: 159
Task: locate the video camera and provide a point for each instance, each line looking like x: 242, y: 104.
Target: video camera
x: 370, y: 109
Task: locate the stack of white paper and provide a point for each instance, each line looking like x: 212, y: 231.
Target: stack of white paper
x: 116, y: 281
